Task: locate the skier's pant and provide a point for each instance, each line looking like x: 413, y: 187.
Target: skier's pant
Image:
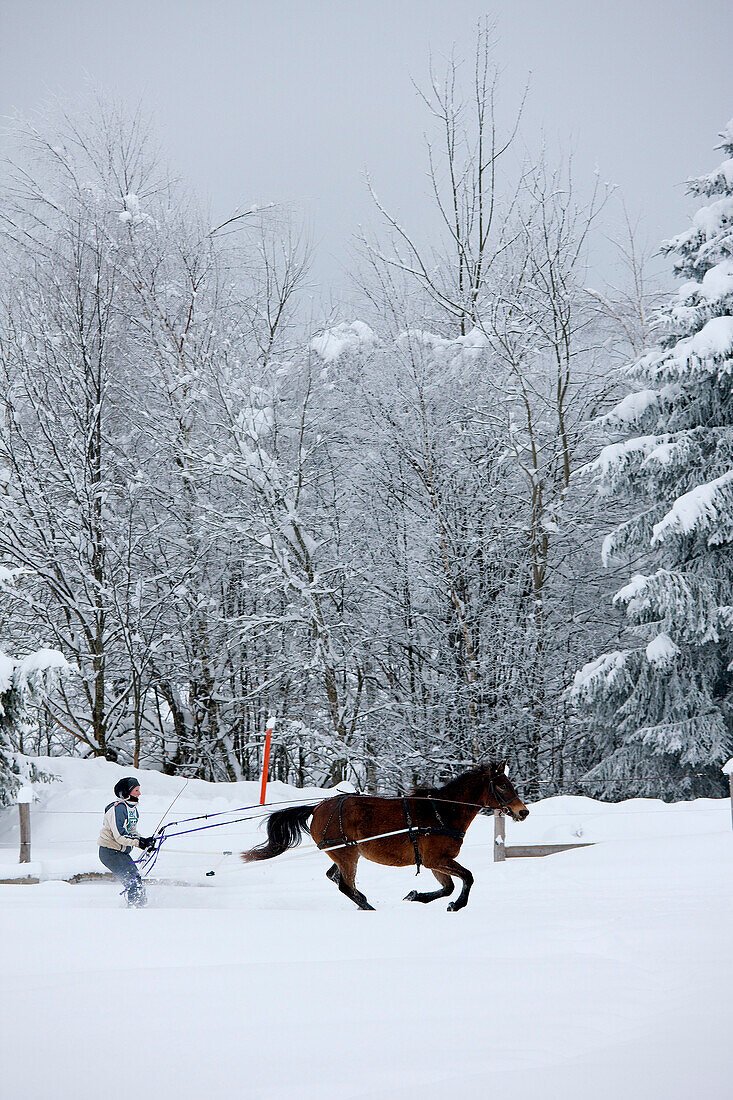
x: 123, y: 868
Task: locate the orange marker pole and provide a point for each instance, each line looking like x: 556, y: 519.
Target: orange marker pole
x: 266, y: 758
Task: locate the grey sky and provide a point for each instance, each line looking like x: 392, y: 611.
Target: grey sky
x: 291, y: 100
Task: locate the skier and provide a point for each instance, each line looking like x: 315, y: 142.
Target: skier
x: 119, y: 835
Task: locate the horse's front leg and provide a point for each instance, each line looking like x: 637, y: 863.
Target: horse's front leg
x: 445, y: 881
x: 450, y: 867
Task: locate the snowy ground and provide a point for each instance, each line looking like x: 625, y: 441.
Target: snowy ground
x: 594, y: 973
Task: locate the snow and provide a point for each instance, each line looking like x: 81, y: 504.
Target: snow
x: 661, y: 651
x: 599, y: 965
x: 473, y: 342
x: 662, y: 454
x: 630, y: 591
x: 616, y: 453
x: 717, y: 282
x: 43, y: 660
x: 726, y: 135
x: 7, y: 665
x: 608, y: 667
x: 711, y: 219
x: 722, y: 176
x: 728, y: 767
x: 452, y: 351
x: 692, y: 508
x: 632, y: 408
x: 714, y: 342
x: 8, y: 576
x: 346, y: 337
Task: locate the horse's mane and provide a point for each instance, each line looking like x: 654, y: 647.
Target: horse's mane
x: 457, y: 782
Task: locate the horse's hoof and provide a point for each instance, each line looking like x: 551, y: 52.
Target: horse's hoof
x: 453, y: 907
x: 411, y: 896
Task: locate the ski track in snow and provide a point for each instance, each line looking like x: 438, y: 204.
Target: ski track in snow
x: 595, y: 972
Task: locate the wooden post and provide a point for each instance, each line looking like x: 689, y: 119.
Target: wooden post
x: 25, y: 832
x: 24, y: 798
x: 266, y: 758
x: 499, y: 837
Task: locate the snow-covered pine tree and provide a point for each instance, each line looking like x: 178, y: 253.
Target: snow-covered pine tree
x: 664, y: 706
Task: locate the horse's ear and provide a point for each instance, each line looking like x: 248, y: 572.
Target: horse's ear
x: 500, y: 766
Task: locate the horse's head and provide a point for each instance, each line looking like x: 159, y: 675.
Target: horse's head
x: 501, y: 795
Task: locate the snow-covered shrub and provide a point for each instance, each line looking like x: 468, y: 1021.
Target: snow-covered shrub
x: 22, y: 684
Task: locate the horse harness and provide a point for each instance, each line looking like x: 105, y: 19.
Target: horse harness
x: 414, y: 832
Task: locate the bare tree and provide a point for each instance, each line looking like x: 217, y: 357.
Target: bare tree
x: 468, y: 169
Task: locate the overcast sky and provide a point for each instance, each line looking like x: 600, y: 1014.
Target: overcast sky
x: 293, y: 100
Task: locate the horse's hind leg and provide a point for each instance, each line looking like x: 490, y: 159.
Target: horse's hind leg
x: 445, y: 881
x: 343, y: 873
x: 450, y: 867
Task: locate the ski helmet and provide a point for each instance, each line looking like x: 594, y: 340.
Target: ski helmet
x: 124, y: 786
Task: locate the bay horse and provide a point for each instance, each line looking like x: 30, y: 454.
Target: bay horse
x: 424, y: 828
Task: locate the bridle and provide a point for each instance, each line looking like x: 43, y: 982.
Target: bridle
x: 504, y: 803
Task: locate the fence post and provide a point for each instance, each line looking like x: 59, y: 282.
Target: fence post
x: 499, y: 837
x: 25, y: 797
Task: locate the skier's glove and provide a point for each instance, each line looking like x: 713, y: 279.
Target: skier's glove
x: 146, y: 842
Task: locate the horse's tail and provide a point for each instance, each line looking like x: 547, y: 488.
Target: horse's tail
x: 284, y: 830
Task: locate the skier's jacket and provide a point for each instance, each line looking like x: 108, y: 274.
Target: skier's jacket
x: 119, y: 827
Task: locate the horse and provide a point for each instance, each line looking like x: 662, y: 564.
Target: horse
x: 425, y: 827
